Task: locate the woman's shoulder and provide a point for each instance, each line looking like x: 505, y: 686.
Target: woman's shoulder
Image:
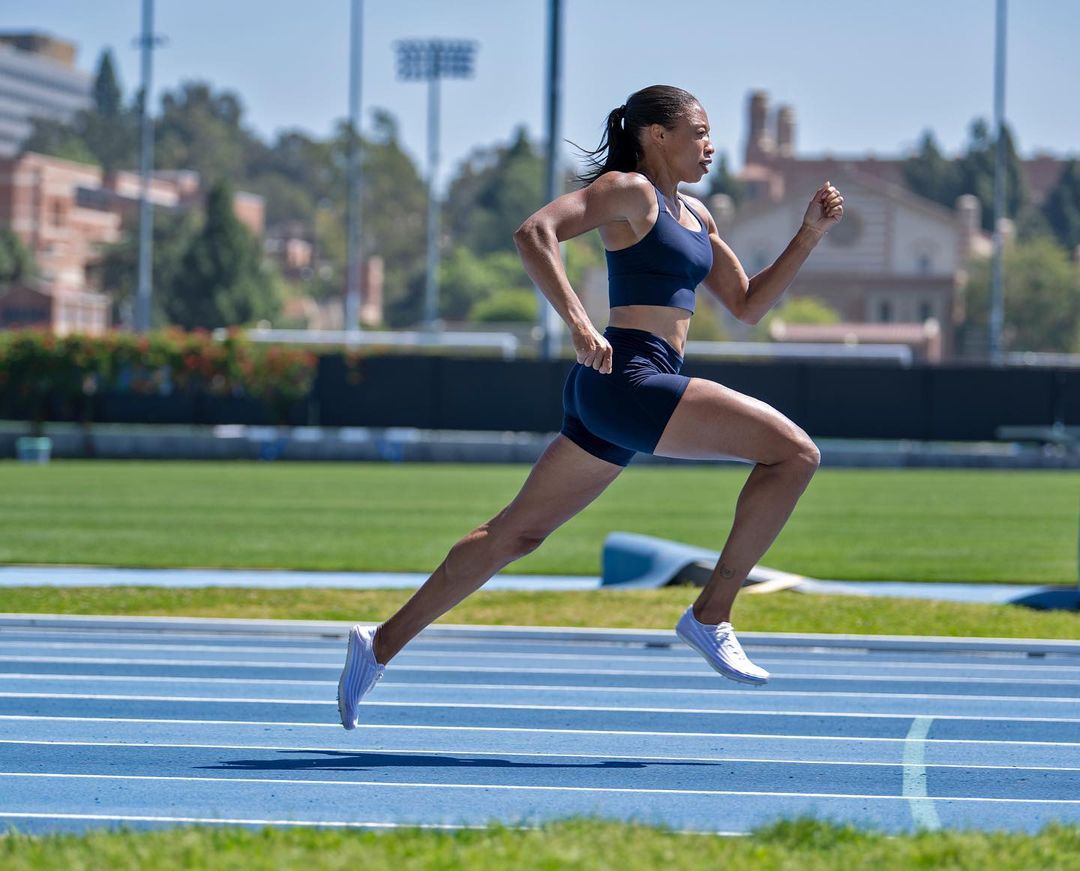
x: 615, y: 179
x: 632, y: 191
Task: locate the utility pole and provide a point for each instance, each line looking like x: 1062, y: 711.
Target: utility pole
x: 146, y: 43
x: 431, y: 60
x: 997, y: 291
x: 548, y: 319
x: 354, y: 259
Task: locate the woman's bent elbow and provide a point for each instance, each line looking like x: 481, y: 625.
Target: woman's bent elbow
x: 526, y: 232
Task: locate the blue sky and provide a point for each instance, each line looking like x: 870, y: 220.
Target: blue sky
x: 862, y: 75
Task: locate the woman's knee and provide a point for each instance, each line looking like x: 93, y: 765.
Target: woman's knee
x: 803, y: 454
x: 509, y: 540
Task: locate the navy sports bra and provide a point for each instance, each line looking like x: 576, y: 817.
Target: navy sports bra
x: 664, y: 267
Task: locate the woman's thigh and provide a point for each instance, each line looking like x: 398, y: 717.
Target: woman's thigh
x: 713, y: 421
x: 564, y: 480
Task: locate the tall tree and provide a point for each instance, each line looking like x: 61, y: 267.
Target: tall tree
x: 16, y: 260
x: 202, y: 130
x: 117, y: 272
x: 930, y: 174
x: 111, y: 132
x: 293, y: 175
x: 108, y: 99
x: 221, y: 281
x: 1062, y: 206
x: 976, y: 170
x: 1042, y: 297
x: 466, y: 280
x: 393, y: 216
x: 495, y: 190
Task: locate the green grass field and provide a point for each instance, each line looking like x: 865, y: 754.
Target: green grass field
x: 805, y: 845
x: 917, y: 525
x: 922, y: 525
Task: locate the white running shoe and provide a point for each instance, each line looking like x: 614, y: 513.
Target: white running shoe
x: 359, y: 676
x: 721, y: 649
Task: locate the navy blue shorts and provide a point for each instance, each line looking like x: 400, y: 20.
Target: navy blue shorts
x: 616, y: 415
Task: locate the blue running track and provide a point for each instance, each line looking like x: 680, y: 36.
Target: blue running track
x: 107, y: 722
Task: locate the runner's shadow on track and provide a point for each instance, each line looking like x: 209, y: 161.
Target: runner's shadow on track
x: 343, y: 760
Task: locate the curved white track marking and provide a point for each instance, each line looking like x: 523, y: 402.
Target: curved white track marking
x: 922, y: 806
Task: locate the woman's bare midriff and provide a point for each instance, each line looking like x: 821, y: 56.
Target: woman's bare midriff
x: 668, y: 322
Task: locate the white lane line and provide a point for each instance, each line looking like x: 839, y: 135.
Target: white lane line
x: 592, y: 672
x: 676, y: 654
x: 212, y: 648
x: 505, y: 687
x: 335, y: 663
x: 533, y: 707
x: 451, y: 636
x: 524, y: 730
x: 515, y: 787
x: 914, y: 788
x: 444, y: 751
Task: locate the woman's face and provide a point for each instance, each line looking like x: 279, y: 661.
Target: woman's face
x: 687, y: 149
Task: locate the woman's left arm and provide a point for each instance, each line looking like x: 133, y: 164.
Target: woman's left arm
x: 765, y: 288
x: 748, y: 299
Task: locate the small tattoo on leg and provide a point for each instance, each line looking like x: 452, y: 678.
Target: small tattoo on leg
x: 725, y: 571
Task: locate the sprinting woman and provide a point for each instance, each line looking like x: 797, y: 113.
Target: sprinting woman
x: 625, y: 393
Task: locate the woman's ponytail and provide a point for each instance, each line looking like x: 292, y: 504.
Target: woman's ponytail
x: 619, y: 149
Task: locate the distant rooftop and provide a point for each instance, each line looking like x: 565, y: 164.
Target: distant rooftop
x: 59, y: 50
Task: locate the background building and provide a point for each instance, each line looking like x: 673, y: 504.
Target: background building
x: 64, y: 212
x: 37, y: 78
x: 896, y: 259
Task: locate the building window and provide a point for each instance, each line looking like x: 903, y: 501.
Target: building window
x: 926, y: 311
x: 885, y: 313
x: 57, y: 213
x: 925, y: 264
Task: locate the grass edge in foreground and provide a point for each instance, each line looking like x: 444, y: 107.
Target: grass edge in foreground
x: 784, y: 611
x: 580, y: 841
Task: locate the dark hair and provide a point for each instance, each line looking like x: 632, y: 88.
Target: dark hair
x: 620, y: 149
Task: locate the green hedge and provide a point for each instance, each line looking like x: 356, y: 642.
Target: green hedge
x: 36, y: 365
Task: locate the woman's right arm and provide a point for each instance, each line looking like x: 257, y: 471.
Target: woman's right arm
x: 615, y: 196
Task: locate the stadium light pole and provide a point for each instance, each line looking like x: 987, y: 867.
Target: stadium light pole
x: 431, y: 60
x: 354, y: 259
x: 997, y: 294
x: 147, y: 41
x: 548, y: 319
